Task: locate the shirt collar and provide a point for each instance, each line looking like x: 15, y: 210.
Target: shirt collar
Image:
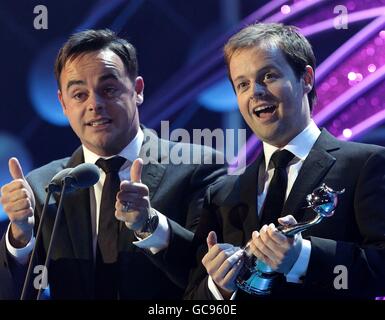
x: 300, y: 145
x: 130, y: 152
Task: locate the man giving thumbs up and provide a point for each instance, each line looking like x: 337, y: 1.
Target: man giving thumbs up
x: 19, y: 204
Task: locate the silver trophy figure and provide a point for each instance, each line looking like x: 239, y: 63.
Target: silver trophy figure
x: 256, y: 277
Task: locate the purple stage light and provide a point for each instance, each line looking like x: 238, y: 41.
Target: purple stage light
x: 327, y: 11
x: 285, y: 9
x: 355, y: 79
x: 339, y: 56
x: 363, y: 126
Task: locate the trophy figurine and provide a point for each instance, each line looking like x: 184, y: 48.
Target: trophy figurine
x: 256, y: 277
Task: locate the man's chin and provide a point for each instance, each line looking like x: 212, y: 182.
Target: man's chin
x: 101, y: 148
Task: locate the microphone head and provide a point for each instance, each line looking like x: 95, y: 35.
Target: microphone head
x: 57, y: 180
x: 84, y: 175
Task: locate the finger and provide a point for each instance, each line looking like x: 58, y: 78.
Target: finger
x: 127, y: 187
x: 277, y: 237
x: 12, y: 186
x: 16, y: 195
x: 228, y: 263
x: 233, y: 272
x: 255, y: 235
x: 15, y: 169
x: 129, y: 197
x: 20, y: 215
x: 211, y: 239
x: 19, y: 205
x: 213, y: 264
x: 135, y: 205
x: 264, y: 243
x: 136, y: 170
x: 131, y: 217
x: 216, y: 252
x: 287, y: 220
x: 221, y: 273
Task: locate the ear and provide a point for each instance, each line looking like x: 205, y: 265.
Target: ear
x: 139, y: 89
x: 60, y: 97
x: 308, y: 79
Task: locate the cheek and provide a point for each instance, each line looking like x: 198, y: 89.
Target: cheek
x: 290, y: 92
x: 74, y: 115
x: 243, y: 106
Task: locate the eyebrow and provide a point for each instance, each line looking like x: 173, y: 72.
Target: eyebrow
x: 102, y: 78
x: 75, y: 82
x: 264, y: 69
x: 108, y: 76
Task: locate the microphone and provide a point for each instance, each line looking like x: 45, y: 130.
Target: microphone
x: 82, y: 176
x: 65, y: 181
x: 57, y: 180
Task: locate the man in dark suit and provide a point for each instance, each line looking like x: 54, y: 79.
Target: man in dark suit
x: 121, y: 238
x: 271, y: 67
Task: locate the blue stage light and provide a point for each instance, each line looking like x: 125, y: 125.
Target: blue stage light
x: 42, y: 86
x: 219, y: 97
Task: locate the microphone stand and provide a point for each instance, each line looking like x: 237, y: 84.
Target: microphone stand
x: 33, y: 254
x: 84, y: 176
x: 66, y: 181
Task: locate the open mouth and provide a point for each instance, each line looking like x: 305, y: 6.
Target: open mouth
x: 264, y: 110
x: 99, y: 122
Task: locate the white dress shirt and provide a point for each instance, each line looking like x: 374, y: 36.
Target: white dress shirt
x: 155, y: 242
x: 300, y: 146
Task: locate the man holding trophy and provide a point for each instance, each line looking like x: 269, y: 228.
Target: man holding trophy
x: 263, y: 228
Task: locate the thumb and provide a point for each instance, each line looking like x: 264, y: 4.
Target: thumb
x: 211, y: 239
x: 15, y: 169
x: 287, y: 220
x: 136, y: 170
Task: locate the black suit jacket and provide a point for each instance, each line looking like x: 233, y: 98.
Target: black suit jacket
x: 354, y: 236
x: 177, y: 191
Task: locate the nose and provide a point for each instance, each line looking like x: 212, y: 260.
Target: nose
x: 259, y: 91
x: 96, y: 102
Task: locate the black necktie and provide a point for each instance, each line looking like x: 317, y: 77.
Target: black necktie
x: 275, y: 197
x: 107, y: 241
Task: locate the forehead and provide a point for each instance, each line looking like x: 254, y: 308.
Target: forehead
x: 246, y: 60
x: 95, y: 63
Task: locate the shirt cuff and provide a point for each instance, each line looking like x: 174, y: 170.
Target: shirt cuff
x: 215, y: 292
x: 159, y: 239
x: 299, y: 268
x: 21, y: 255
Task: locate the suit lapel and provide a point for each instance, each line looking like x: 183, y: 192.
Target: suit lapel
x: 153, y: 171
x: 152, y: 175
x: 317, y: 164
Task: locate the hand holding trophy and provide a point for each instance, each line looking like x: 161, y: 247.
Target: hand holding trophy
x: 256, y: 277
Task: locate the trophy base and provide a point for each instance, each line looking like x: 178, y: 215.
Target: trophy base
x: 260, y: 285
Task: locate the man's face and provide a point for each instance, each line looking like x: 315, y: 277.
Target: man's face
x: 100, y: 101
x: 271, y: 99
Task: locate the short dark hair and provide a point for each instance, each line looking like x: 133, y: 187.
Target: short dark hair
x: 94, y: 40
x: 295, y: 47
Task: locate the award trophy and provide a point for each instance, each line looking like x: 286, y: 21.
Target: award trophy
x: 256, y: 277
